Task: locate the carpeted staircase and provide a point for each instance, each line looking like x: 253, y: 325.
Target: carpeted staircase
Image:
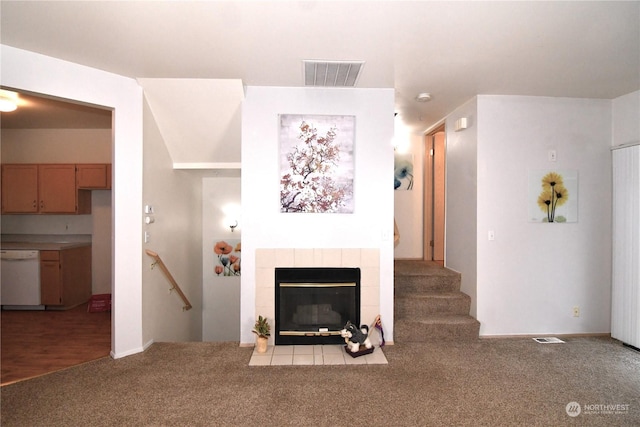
x: 429, y: 304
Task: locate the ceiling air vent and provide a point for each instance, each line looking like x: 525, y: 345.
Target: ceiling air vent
x: 332, y: 73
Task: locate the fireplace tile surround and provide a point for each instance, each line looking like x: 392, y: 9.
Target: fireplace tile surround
x: 297, y: 355
x: 367, y: 259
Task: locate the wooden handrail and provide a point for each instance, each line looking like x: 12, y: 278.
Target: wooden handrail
x: 163, y: 267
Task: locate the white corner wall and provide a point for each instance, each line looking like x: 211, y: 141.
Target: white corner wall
x: 626, y: 119
x: 461, y: 198
x: 220, y: 293
x: 533, y: 274
x: 28, y: 71
x: 175, y: 235
x: 409, y: 208
x: 370, y: 226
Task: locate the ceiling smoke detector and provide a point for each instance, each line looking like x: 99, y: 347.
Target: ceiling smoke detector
x: 332, y: 73
x: 423, y: 97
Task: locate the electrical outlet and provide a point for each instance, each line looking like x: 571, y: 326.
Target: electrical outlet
x: 576, y: 311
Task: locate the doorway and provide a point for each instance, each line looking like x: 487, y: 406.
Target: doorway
x: 434, y: 195
x: 46, y: 129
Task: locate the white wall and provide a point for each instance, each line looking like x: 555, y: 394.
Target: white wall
x: 370, y: 226
x: 408, y: 211
x: 28, y: 71
x: 461, y: 198
x: 209, y: 134
x: 626, y: 119
x: 533, y: 274
x: 56, y: 145
x: 220, y: 294
x: 175, y: 235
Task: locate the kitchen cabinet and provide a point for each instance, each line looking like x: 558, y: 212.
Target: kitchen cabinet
x: 50, y: 278
x: 57, y: 189
x: 93, y: 176
x: 65, y: 277
x: 44, y: 189
x: 20, y: 188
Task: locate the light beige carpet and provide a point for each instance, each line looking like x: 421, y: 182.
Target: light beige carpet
x: 489, y: 382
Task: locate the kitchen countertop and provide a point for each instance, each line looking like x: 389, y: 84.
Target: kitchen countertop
x: 42, y: 246
x: 43, y: 242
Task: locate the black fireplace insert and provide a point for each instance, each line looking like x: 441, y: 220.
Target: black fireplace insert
x: 313, y: 304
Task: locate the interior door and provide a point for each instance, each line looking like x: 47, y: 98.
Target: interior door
x: 438, y: 196
x: 434, y: 195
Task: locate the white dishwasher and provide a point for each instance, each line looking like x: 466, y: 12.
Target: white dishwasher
x: 20, y: 280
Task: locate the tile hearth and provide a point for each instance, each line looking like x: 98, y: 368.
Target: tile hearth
x: 292, y: 355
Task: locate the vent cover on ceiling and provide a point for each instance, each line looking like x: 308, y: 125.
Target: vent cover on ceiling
x: 332, y: 73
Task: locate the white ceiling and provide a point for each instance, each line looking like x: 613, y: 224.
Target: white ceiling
x: 454, y: 50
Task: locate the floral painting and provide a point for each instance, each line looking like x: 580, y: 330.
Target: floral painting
x: 227, y: 258
x: 403, y: 172
x: 553, y: 196
x: 316, y: 163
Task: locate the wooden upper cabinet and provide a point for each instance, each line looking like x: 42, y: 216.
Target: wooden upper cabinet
x: 44, y: 189
x: 57, y: 184
x: 94, y: 176
x: 20, y: 188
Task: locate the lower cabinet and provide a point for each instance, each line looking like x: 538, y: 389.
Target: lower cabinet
x: 50, y: 278
x: 65, y: 277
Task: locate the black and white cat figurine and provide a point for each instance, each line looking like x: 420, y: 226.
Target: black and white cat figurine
x: 355, y: 337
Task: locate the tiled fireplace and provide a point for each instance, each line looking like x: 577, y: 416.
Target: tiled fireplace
x: 314, y: 303
x: 367, y: 260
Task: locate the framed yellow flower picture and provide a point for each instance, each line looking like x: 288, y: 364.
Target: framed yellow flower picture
x: 553, y: 196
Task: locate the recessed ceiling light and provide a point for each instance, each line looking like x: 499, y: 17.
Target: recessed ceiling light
x: 423, y: 97
x: 8, y: 101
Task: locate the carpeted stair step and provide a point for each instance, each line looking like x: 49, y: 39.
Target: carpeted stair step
x: 417, y: 305
x: 429, y: 305
x: 421, y: 276
x: 437, y: 328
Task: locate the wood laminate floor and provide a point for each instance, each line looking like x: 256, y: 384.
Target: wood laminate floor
x: 34, y: 343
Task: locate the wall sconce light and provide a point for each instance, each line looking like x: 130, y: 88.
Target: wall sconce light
x: 461, y: 124
x: 233, y: 226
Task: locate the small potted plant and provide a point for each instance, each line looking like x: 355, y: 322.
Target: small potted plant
x: 262, y: 330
